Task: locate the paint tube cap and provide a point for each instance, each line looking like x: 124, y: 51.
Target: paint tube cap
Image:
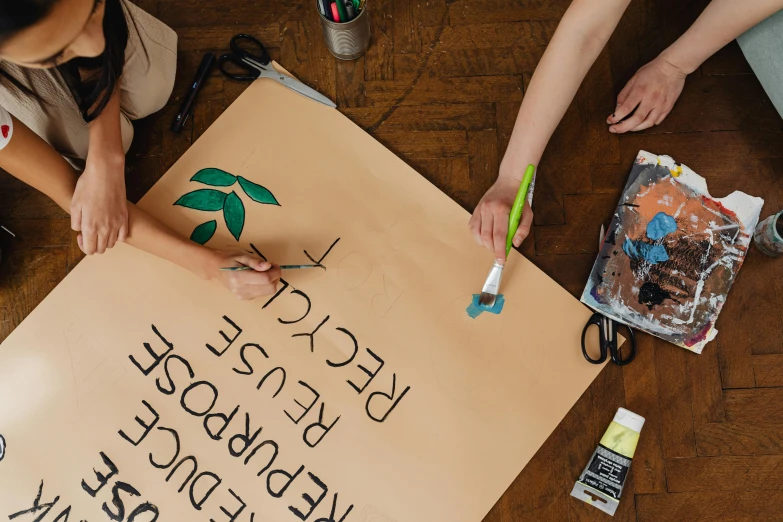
x: 629, y: 419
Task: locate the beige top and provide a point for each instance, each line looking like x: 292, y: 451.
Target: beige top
x: 145, y: 85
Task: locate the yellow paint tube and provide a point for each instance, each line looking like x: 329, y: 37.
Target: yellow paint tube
x: 602, y: 481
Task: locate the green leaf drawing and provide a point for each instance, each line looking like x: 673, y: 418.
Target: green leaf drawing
x: 203, y: 233
x: 234, y: 213
x: 203, y: 199
x: 256, y: 192
x: 214, y: 177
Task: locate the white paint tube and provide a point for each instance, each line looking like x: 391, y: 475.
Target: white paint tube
x: 602, y: 481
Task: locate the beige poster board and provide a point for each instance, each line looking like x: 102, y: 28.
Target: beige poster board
x: 398, y: 408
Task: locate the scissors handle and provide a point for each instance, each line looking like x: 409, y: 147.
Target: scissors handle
x: 630, y: 342
x: 261, y: 55
x: 595, y: 320
x: 250, y: 72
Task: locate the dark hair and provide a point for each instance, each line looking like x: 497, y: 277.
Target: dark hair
x: 92, y: 81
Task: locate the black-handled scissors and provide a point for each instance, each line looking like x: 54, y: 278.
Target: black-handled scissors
x: 607, y: 340
x: 249, y: 60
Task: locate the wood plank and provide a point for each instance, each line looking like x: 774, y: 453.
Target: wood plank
x: 432, y: 144
x: 642, y: 397
x: 217, y: 37
x: 728, y: 61
x: 768, y: 370
x: 200, y: 13
x: 754, y: 438
x: 463, y: 12
x: 484, y: 163
x: 754, y: 405
x: 674, y: 397
x: 462, y: 116
x: 706, y: 391
x: 349, y: 78
x: 750, y: 506
x: 486, y: 62
x: 523, y: 33
x: 444, y: 90
x: 724, y: 473
x: 405, y: 33
x: 584, y: 215
x: 379, y: 60
x: 721, y: 103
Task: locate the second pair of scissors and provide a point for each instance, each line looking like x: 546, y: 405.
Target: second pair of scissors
x: 249, y: 60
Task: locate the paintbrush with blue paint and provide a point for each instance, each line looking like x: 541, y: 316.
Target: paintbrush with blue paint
x: 491, y: 286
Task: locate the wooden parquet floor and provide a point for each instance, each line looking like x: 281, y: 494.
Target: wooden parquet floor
x: 440, y: 86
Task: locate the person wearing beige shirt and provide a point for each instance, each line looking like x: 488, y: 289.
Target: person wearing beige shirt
x: 73, y: 74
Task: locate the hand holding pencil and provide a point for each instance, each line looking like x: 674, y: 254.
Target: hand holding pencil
x: 256, y: 279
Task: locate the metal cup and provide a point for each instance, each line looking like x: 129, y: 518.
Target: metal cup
x: 347, y: 40
x: 768, y: 236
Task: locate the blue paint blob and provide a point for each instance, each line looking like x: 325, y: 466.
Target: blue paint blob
x: 661, y: 225
x: 475, y: 308
x: 651, y: 253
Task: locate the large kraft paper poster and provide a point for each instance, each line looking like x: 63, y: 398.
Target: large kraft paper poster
x: 360, y: 392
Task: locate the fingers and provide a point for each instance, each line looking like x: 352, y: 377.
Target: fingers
x: 76, y: 219
x: 661, y: 117
x: 122, y: 234
x: 487, y: 222
x: 499, y: 239
x: 626, y: 107
x: 102, y: 241
x: 638, y: 117
x: 111, y: 239
x: 648, y: 122
x: 524, y: 226
x: 475, y: 226
x: 254, y: 262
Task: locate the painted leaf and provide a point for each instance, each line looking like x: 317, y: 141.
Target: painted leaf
x: 204, y: 232
x: 203, y: 199
x: 234, y: 213
x: 214, y: 177
x: 257, y: 192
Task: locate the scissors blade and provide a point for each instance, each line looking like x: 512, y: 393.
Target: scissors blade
x: 296, y: 85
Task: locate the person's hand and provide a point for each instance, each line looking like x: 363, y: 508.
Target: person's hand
x: 652, y: 91
x: 489, y: 223
x: 246, y: 284
x: 99, y: 209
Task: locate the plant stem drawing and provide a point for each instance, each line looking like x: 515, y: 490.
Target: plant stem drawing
x: 212, y: 200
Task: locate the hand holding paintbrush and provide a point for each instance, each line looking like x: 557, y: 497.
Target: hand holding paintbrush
x: 491, y: 286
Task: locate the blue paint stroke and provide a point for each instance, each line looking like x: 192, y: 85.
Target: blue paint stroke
x: 476, y: 309
x: 651, y: 253
x: 661, y: 225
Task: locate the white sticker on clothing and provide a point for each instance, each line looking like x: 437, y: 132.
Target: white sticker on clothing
x: 6, y: 128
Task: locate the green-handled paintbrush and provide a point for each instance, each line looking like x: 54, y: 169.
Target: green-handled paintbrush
x: 491, y: 286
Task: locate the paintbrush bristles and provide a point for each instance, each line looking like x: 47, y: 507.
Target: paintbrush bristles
x: 486, y: 299
x: 491, y: 286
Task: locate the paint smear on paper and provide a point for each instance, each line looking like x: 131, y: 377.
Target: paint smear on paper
x: 475, y: 308
x: 672, y: 253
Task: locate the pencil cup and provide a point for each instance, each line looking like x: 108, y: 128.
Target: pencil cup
x: 346, y: 40
x: 769, y: 235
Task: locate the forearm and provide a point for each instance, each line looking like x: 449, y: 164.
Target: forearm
x: 577, y: 42
x: 720, y: 23
x: 106, y: 134
x: 35, y: 162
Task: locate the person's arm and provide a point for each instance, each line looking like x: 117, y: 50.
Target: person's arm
x: 654, y: 89
x: 581, y: 35
x: 96, y: 208
x: 32, y: 160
